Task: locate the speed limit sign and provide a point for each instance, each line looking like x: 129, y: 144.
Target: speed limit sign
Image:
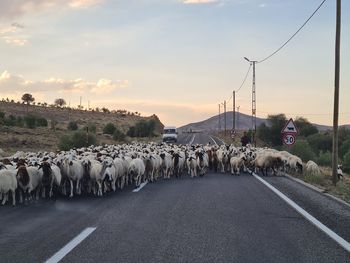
x: 288, y: 139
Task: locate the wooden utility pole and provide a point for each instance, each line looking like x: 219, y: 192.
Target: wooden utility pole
x: 219, y: 117
x: 336, y: 96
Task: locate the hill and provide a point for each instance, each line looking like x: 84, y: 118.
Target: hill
x: 243, y: 122
x: 13, y: 138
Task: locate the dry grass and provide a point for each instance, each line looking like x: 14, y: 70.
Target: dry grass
x: 14, y: 139
x: 324, y: 181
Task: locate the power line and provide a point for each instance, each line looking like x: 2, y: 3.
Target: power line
x: 285, y: 43
x: 245, y: 78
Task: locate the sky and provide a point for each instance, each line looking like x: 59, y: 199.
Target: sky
x: 178, y: 59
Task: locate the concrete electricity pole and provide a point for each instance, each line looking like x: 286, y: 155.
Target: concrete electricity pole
x: 225, y: 115
x: 253, y: 62
x: 336, y: 96
x: 219, y: 117
x: 238, y: 118
x: 234, y: 110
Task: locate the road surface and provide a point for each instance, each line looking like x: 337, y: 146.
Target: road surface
x: 217, y: 218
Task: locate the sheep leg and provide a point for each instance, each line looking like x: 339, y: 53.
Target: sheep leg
x: 4, y: 199
x: 13, y: 197
x: 77, y: 187
x: 20, y: 196
x: 71, y: 188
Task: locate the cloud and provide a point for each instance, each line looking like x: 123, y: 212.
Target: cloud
x: 16, y: 8
x: 10, y: 34
x: 199, y: 1
x: 10, y: 83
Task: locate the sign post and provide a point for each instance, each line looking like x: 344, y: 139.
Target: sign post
x: 289, y: 133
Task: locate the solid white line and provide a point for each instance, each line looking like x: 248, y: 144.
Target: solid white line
x: 71, y: 245
x: 341, y: 241
x: 192, y: 140
x: 214, y: 141
x: 140, y: 187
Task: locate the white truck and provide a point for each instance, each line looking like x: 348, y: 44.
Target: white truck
x: 170, y: 134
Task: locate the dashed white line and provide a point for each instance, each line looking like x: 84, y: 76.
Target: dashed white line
x: 70, y: 246
x: 213, y: 140
x: 140, y: 187
x: 192, y: 140
x: 341, y: 241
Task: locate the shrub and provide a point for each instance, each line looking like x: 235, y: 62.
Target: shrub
x: 20, y: 121
x: 77, y: 140
x: 41, y: 122
x: 118, y: 135
x: 30, y: 121
x: 73, y: 126
x: 65, y: 143
x: 346, y: 162
x: 81, y: 139
x: 303, y: 150
x: 325, y: 159
x: 91, y: 127
x: 320, y: 142
x: 109, y: 129
x: 344, y: 148
x: 10, y: 120
x: 142, y: 129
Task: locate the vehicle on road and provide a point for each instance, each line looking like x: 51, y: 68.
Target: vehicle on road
x: 170, y: 134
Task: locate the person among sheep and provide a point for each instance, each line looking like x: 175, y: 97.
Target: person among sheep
x: 245, y: 139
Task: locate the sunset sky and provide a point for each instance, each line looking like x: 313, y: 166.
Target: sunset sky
x: 175, y: 58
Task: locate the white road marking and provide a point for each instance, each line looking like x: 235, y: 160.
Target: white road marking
x: 214, y: 141
x: 70, y: 246
x: 341, y: 241
x: 140, y: 187
x: 192, y: 140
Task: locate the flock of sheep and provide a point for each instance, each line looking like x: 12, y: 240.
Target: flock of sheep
x: 96, y: 170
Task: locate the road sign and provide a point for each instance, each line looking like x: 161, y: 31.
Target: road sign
x: 290, y: 128
x: 288, y: 139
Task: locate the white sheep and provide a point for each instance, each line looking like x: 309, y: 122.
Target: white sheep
x: 236, y: 163
x: 8, y: 183
x: 136, y: 170
x: 312, y: 168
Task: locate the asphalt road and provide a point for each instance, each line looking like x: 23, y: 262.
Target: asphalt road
x: 217, y: 218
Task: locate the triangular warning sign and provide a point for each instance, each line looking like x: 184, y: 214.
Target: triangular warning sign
x: 290, y: 127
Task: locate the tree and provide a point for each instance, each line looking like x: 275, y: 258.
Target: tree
x: 109, y: 128
x: 60, y: 102
x: 305, y: 127
x: 72, y: 125
x: 28, y: 98
x: 302, y: 149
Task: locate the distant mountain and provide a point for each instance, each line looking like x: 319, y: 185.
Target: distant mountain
x: 243, y: 122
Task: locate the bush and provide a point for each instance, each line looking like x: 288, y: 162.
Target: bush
x: 346, y: 162
x: 91, y: 127
x: 10, y: 121
x: 109, y: 129
x: 77, y: 140
x: 72, y: 125
x: 142, y: 129
x: 303, y: 150
x: 20, y: 121
x: 65, y: 143
x: 118, y: 135
x: 81, y: 139
x: 325, y: 159
x: 30, y: 121
x: 320, y: 142
x: 344, y: 148
x: 41, y: 122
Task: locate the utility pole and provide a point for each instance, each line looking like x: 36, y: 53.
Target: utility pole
x: 80, y: 103
x: 336, y: 96
x: 253, y: 62
x: 234, y: 110
x: 238, y: 118
x: 225, y: 115
x: 219, y: 117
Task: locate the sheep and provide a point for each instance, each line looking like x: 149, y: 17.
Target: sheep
x: 192, y: 165
x: 267, y: 161
x: 8, y: 183
x: 29, y: 180
x: 295, y: 163
x: 75, y: 172
x: 136, y: 170
x: 222, y: 155
x: 167, y: 164
x: 339, y: 171
x: 312, y: 168
x: 92, y: 173
x: 236, y: 163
